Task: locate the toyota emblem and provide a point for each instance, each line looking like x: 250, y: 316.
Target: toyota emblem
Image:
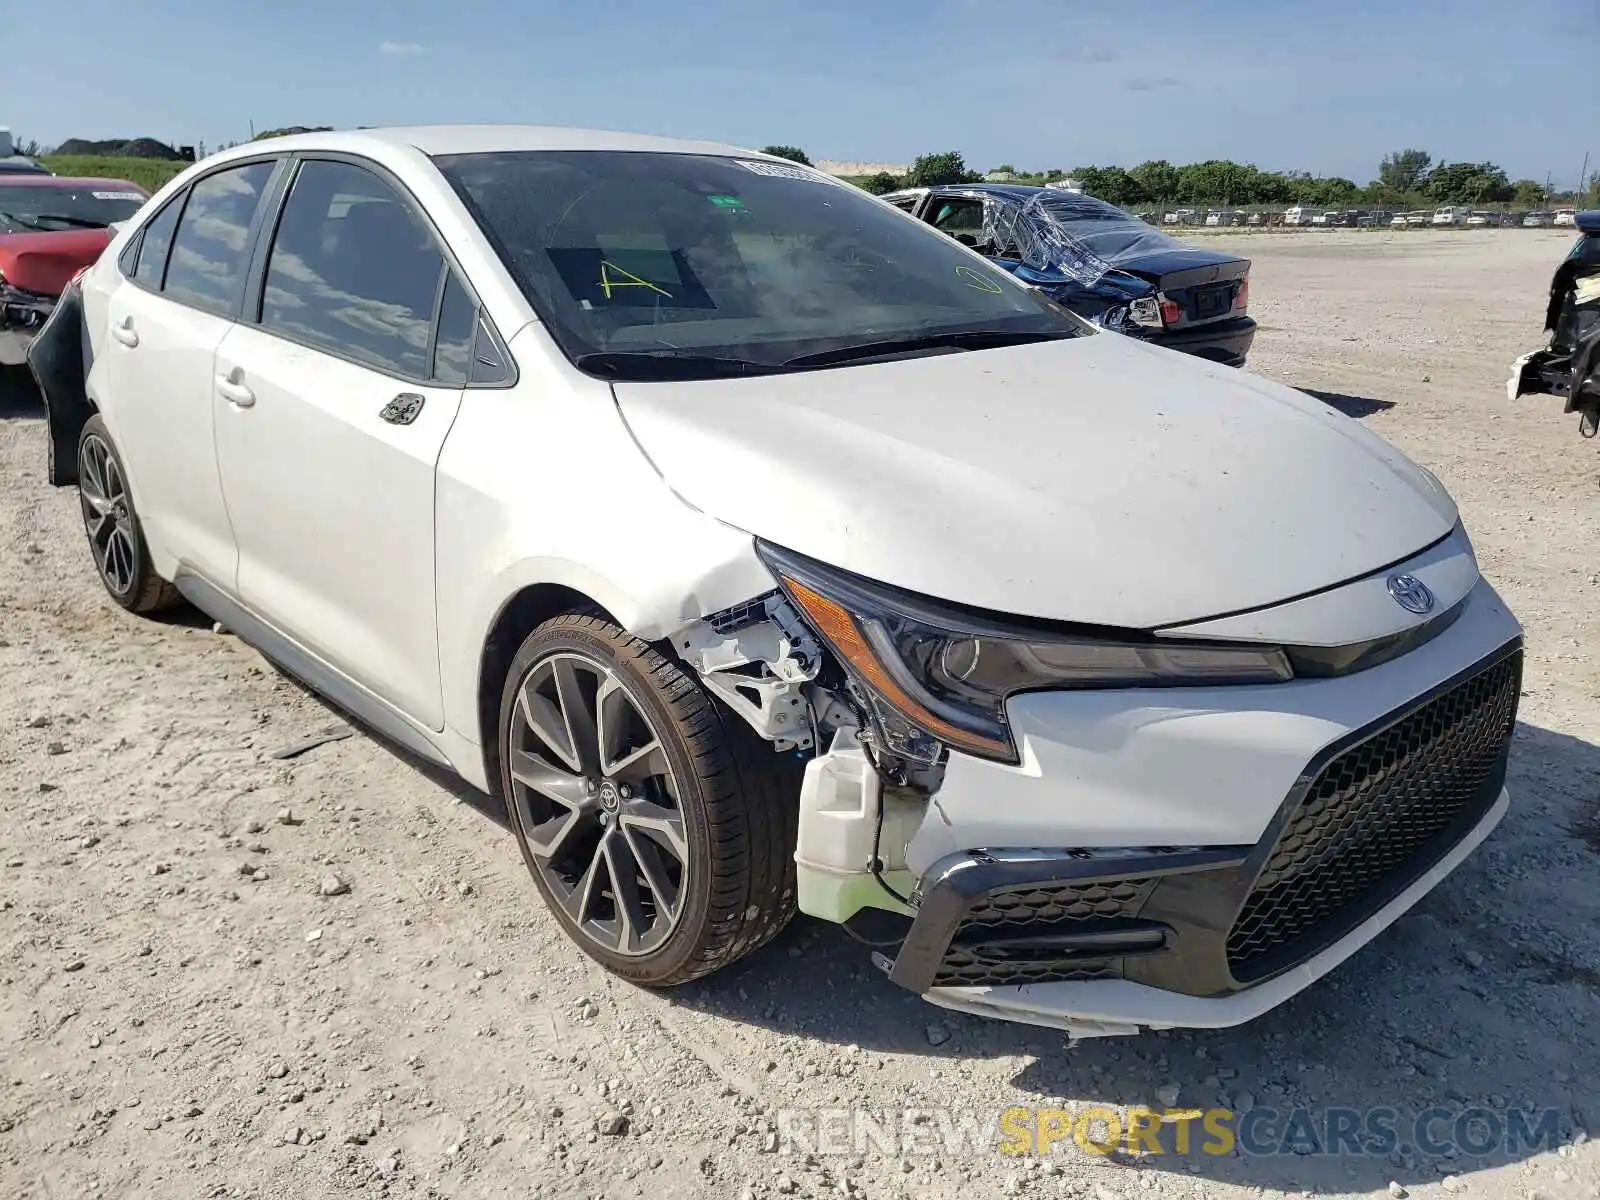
x: 1411, y: 594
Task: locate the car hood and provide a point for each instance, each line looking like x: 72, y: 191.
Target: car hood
x: 1095, y: 479
x: 43, y: 262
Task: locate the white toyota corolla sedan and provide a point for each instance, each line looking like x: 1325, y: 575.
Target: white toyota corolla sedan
x: 767, y: 549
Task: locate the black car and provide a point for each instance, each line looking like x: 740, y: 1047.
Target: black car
x: 1100, y: 262
x: 1569, y: 364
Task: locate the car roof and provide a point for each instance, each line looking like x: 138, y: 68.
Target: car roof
x: 70, y: 182
x: 1019, y: 190
x: 436, y: 140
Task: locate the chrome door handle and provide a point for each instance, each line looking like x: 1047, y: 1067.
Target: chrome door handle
x: 123, y: 331
x: 235, y: 393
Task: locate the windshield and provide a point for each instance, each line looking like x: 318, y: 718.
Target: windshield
x: 93, y: 206
x: 694, y: 258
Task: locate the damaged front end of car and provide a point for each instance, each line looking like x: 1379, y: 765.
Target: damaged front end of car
x: 867, y: 780
x: 1569, y: 364
x: 22, y: 314
x: 988, y: 806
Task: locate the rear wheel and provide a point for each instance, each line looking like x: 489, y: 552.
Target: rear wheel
x: 658, y: 827
x: 116, y: 541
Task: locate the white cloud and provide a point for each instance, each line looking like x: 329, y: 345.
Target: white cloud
x: 401, y: 49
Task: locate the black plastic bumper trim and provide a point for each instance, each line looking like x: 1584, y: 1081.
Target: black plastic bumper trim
x: 955, y: 882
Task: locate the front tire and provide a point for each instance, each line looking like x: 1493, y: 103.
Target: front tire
x: 658, y: 827
x: 116, y: 539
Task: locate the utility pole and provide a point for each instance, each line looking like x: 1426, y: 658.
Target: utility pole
x: 1583, y: 180
x: 252, y: 131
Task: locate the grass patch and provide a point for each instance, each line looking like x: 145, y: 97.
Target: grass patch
x: 148, y: 173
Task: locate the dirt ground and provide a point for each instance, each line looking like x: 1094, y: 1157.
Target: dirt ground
x: 171, y: 1026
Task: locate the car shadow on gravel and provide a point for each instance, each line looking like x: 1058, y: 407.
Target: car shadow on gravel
x: 1351, y: 406
x: 18, y: 395
x: 485, y: 805
x: 1402, y: 1065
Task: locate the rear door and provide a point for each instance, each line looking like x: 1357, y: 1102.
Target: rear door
x: 333, y: 401
x: 180, y: 288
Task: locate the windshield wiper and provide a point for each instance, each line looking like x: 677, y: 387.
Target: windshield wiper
x: 985, y: 339
x: 667, y: 364
x: 32, y: 220
x: 77, y: 222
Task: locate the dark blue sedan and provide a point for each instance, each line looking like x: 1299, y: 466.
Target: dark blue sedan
x: 1101, y: 263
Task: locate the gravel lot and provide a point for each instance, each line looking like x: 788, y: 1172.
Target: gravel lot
x: 171, y: 1026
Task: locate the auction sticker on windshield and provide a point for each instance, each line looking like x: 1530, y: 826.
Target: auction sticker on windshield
x: 118, y: 195
x: 779, y: 171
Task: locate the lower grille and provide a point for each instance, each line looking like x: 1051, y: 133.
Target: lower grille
x: 1375, y: 818
x: 961, y: 968
x: 977, y: 955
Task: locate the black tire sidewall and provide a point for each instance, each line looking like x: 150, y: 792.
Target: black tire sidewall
x: 143, y: 574
x: 684, y: 944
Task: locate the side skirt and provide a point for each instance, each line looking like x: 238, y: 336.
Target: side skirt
x: 307, y: 667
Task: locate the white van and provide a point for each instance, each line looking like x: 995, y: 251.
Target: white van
x: 1452, y: 214
x: 1297, y: 216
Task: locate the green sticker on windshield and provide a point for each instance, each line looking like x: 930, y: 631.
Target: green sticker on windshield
x: 729, y: 202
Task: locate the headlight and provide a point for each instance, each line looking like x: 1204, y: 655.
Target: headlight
x: 948, y: 673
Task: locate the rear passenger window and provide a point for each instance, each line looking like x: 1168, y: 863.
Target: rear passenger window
x: 458, y: 321
x: 210, y: 248
x: 154, y: 244
x: 353, y: 269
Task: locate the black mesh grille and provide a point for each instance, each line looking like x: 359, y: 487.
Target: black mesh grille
x: 1377, y: 817
x: 961, y: 969
x: 1039, y: 912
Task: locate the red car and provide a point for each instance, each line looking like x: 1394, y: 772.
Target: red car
x: 50, y: 228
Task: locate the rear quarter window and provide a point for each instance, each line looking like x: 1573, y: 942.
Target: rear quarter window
x: 155, y: 243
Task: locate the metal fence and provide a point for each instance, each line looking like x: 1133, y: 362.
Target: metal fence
x: 1289, y: 217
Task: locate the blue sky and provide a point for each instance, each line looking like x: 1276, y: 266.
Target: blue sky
x: 1288, y: 84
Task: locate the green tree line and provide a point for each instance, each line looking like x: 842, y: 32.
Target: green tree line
x: 1405, y: 178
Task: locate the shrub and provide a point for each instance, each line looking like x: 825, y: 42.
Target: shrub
x: 148, y: 173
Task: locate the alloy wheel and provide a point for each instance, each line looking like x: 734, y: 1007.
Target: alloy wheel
x: 107, y: 514
x: 598, y: 803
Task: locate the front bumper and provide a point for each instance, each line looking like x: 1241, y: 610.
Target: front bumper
x: 1117, y: 1006
x: 22, y: 315
x: 1226, y: 849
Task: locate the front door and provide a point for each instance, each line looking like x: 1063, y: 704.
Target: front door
x: 331, y: 414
